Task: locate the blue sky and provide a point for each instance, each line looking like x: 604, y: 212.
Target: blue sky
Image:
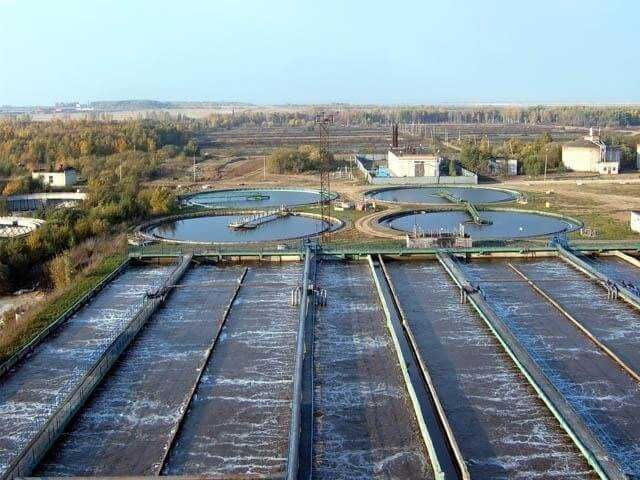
x: 394, y: 51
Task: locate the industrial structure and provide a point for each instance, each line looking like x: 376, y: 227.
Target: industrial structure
x: 504, y: 166
x: 358, y: 371
x: 307, y: 362
x: 61, y: 178
x: 11, y: 227
x: 402, y: 164
x: 591, y: 154
x: 323, y: 121
x: 408, y: 165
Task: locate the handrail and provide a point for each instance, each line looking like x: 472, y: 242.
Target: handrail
x: 475, y: 215
x: 589, y: 445
x: 293, y: 456
x: 572, y: 259
x: 27, y: 348
x: 38, y: 446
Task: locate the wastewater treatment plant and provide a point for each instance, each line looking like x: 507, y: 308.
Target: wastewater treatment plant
x: 237, y: 341
x: 296, y: 240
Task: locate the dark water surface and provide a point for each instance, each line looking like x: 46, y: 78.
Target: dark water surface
x: 216, y: 229
x: 616, y: 269
x: 614, y: 322
x: 126, y: 424
x: 365, y: 426
x: 502, y: 427
x: 33, y: 390
x: 598, y: 390
x: 238, y: 423
x: 241, y: 198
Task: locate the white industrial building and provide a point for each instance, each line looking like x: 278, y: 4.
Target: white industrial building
x: 638, y: 156
x: 413, y: 165
x: 591, y: 155
x: 63, y: 178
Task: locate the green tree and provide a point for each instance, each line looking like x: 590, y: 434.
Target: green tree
x: 453, y: 171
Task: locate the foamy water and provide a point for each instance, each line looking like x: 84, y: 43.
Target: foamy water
x: 239, y: 420
x: 32, y: 391
x: 125, y: 427
x: 364, y: 424
x: 502, y: 428
x: 606, y: 397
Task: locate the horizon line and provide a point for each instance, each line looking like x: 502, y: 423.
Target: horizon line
x: 469, y: 103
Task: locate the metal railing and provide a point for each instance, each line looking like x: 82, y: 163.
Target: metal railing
x: 293, y: 456
x: 39, y: 445
x: 589, y: 445
x: 26, y: 349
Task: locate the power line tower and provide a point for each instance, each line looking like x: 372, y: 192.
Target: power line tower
x: 323, y: 121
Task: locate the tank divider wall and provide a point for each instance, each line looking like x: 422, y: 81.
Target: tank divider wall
x: 593, y: 451
x: 39, y: 445
x: 300, y: 448
x: 444, y: 464
x: 207, y: 356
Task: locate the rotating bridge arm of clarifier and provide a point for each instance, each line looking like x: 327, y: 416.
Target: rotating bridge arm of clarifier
x: 255, y: 221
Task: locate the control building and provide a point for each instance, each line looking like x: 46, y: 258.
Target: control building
x: 413, y: 164
x: 590, y: 154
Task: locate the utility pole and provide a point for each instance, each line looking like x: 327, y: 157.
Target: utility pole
x: 323, y: 121
x: 546, y: 159
x: 194, y: 169
x: 264, y: 168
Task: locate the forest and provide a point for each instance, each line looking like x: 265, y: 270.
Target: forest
x: 114, y: 161
x: 567, y: 115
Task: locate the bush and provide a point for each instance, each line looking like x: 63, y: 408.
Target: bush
x: 157, y: 201
x: 24, y: 184
x: 19, y: 330
x: 306, y: 158
x: 60, y: 271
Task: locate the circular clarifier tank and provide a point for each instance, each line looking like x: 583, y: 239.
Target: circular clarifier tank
x: 442, y: 195
x: 503, y: 224
x: 254, y: 198
x: 217, y: 229
x: 13, y: 227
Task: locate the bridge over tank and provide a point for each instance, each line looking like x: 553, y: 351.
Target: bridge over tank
x: 259, y: 219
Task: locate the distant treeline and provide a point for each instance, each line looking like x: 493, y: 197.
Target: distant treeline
x: 120, y: 105
x: 579, y: 116
x: 32, y: 145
